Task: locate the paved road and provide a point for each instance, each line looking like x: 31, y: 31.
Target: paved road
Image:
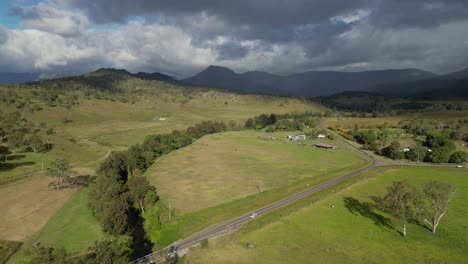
x: 233, y: 224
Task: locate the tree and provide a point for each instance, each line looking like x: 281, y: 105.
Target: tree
x: 458, y: 157
x: 399, y: 202
x: 110, y: 203
x: 438, y: 196
x: 36, y: 143
x: 417, y: 152
x: 140, y: 189
x: 153, y: 223
x: 393, y: 151
x: 250, y: 123
x: 48, y: 255
x: 61, y: 171
x: 108, y: 252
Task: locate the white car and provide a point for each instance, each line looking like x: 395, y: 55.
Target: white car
x: 459, y: 166
x: 253, y: 215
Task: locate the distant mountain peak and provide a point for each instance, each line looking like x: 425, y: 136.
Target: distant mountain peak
x: 216, y: 68
x: 461, y: 74
x: 108, y: 71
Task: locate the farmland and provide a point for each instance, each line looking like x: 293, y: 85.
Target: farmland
x: 223, y: 167
x: 318, y: 231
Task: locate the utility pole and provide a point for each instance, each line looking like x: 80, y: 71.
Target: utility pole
x: 170, y: 213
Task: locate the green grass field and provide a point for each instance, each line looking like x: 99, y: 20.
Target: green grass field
x: 336, y: 235
x: 73, y: 227
x: 101, y: 126
x: 220, y: 168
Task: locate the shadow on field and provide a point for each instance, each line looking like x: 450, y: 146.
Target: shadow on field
x: 16, y: 157
x: 11, y: 166
x: 4, y: 150
x: 367, y: 210
x: 82, y: 181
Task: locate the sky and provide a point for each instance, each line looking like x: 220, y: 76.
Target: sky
x: 180, y: 37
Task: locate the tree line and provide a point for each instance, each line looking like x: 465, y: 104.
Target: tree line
x: 283, y: 122
x: 122, y: 198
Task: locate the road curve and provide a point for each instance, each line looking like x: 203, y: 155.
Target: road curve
x: 229, y: 226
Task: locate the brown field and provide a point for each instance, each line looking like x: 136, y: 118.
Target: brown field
x: 27, y: 206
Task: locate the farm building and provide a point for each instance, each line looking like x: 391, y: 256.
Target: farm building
x: 325, y: 146
x: 321, y: 136
x: 296, y: 137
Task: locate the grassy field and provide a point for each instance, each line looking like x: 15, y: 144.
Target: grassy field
x: 27, y: 206
x: 98, y: 127
x: 337, y: 235
x: 220, y: 168
x: 7, y: 248
x: 73, y: 226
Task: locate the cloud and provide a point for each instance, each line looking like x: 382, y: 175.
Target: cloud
x: 47, y: 17
x: 3, y: 35
x: 181, y: 37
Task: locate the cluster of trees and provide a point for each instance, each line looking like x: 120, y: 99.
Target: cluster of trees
x: 438, y: 146
x: 455, y: 129
x: 404, y: 202
x: 22, y: 135
x: 284, y: 122
x: 106, y: 251
x: 25, y: 97
x: 122, y: 197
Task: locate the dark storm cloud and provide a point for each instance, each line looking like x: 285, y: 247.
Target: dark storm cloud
x: 418, y: 13
x: 270, y: 13
x: 231, y: 50
x: 281, y: 36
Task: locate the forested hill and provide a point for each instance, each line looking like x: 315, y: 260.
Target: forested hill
x: 12, y: 77
x: 450, y: 86
x: 307, y: 84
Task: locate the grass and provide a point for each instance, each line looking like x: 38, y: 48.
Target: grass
x: 73, y: 228
x: 98, y: 127
x: 8, y: 248
x: 26, y: 207
x: 336, y: 235
x: 290, y: 169
x: 221, y: 168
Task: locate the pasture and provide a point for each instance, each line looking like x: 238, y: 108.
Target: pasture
x: 352, y: 232
x: 220, y: 168
x: 31, y: 212
x: 27, y: 206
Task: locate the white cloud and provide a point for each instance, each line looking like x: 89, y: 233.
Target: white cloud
x: 48, y: 17
x: 351, y: 17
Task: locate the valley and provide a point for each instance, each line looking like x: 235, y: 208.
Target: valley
x: 219, y: 176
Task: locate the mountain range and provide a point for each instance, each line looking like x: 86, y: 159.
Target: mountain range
x: 402, y: 82
x: 394, y: 82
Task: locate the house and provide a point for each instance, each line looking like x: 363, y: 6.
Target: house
x: 325, y: 146
x: 321, y: 136
x: 296, y: 137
